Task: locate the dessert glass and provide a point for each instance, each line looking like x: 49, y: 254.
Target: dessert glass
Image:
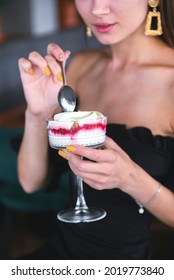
x: 87, y: 133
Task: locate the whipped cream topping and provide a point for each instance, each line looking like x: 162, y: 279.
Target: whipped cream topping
x: 84, y: 116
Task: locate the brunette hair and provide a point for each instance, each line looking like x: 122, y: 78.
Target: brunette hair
x: 167, y: 17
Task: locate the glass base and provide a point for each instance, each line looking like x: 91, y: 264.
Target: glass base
x: 88, y: 215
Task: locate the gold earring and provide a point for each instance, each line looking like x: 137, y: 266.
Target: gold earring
x: 88, y: 31
x: 153, y: 17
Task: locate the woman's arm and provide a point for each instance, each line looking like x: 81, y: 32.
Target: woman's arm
x: 41, y: 82
x: 33, y: 162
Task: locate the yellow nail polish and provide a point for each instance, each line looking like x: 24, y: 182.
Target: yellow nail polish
x: 59, y: 76
x: 31, y: 71
x: 62, y: 153
x: 61, y: 56
x: 47, y: 71
x: 71, y: 148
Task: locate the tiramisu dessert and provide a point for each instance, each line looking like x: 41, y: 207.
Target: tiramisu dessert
x: 87, y: 128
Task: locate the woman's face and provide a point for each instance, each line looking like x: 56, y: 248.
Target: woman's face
x: 113, y: 20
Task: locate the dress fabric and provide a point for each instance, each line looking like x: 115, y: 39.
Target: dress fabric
x: 123, y: 233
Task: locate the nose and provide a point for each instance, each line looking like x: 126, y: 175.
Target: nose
x: 100, y: 7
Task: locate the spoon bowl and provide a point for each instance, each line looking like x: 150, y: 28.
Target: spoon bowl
x: 66, y: 96
x: 67, y: 99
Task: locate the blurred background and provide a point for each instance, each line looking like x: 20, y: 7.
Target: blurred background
x: 27, y: 221
x: 36, y: 17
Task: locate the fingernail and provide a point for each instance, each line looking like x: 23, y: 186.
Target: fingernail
x: 61, y: 56
x: 60, y: 77
x: 31, y: 71
x: 62, y: 153
x: 68, y: 53
x: 47, y: 71
x: 71, y: 148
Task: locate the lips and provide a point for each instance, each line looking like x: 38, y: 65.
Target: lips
x: 104, y: 27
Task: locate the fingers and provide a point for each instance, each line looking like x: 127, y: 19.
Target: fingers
x: 98, y: 175
x: 57, y: 52
x: 96, y: 163
x: 25, y: 65
x: 34, y: 62
x: 54, y: 67
x: 48, y: 65
x: 60, y: 57
x: 103, y: 167
x: 95, y: 155
x: 37, y: 60
x: 78, y: 165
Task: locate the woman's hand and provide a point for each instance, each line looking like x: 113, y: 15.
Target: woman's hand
x: 106, y: 168
x: 41, y: 78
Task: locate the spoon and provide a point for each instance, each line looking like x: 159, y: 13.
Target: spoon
x: 66, y: 96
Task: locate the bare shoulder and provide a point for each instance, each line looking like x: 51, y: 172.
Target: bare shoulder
x: 81, y: 63
x: 85, y: 57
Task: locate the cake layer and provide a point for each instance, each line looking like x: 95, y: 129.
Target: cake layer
x: 77, y: 128
x: 63, y: 142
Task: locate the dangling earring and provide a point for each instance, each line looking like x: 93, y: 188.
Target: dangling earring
x: 153, y: 17
x: 88, y: 31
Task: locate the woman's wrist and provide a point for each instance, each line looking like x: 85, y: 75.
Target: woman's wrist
x: 142, y: 187
x: 35, y: 125
x: 150, y: 200
x: 37, y: 118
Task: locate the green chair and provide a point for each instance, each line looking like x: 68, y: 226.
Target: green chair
x: 12, y: 197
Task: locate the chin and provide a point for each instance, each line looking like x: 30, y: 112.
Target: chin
x: 104, y: 41
x: 107, y: 39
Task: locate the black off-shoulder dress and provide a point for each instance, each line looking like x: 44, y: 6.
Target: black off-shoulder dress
x: 123, y: 233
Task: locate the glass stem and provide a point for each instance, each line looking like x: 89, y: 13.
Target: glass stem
x: 80, y: 203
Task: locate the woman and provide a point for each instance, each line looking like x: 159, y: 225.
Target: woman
x: 132, y: 83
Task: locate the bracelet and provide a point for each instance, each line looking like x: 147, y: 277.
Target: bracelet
x: 149, y: 202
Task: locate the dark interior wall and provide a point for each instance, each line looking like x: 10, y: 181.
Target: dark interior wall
x: 17, y: 17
